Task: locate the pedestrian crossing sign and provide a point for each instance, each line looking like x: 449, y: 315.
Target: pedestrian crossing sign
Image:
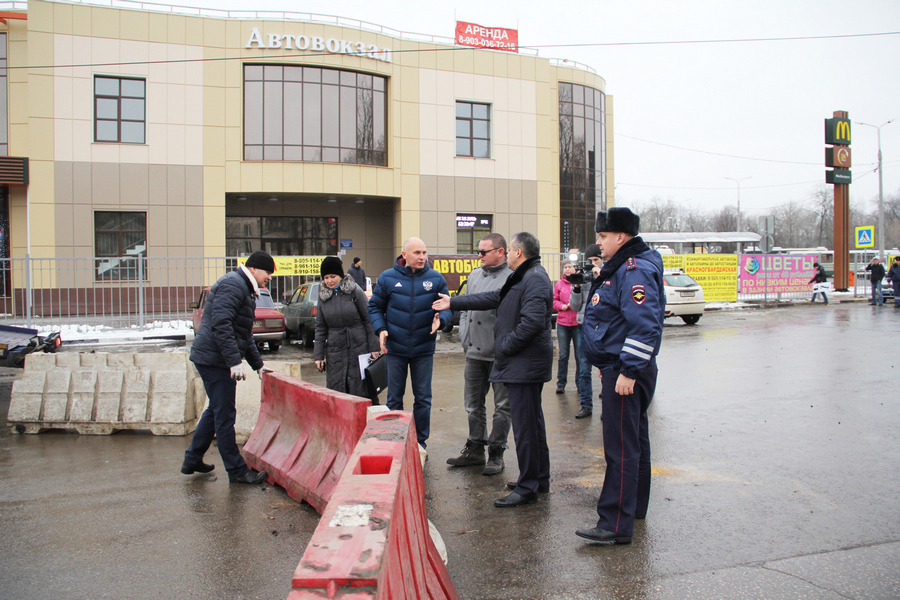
x: 865, y: 237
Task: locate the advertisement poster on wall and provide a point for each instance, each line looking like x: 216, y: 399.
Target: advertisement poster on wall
x: 776, y: 273
x: 454, y: 267
x: 716, y: 273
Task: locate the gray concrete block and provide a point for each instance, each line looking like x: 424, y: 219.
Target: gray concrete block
x: 68, y: 361
x: 25, y: 407
x: 40, y: 362
x: 109, y: 382
x: 120, y: 361
x: 58, y: 381
x: 169, y: 382
x: 81, y: 407
x: 30, y: 383
x: 107, y: 407
x: 158, y: 361
x: 94, y: 361
x: 133, y: 408
x: 55, y: 408
x: 83, y: 382
x: 136, y: 382
x: 167, y: 408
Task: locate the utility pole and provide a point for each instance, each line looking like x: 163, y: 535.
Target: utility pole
x: 738, y: 228
x: 880, y: 190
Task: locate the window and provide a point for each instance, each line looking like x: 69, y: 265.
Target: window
x: 119, y: 236
x: 582, y: 163
x: 473, y: 129
x: 469, y: 231
x: 314, y: 114
x: 281, y: 236
x: 119, y: 110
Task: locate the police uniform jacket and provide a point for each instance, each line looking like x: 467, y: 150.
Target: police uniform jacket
x: 623, y: 320
x: 401, y: 304
x: 226, y: 329
x: 523, y: 348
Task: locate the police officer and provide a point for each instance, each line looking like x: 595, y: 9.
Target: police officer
x: 622, y: 333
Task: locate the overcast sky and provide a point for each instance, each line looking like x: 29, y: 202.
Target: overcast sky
x: 764, y: 101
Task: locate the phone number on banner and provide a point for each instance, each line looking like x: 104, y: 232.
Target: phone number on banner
x: 484, y: 43
x: 294, y: 265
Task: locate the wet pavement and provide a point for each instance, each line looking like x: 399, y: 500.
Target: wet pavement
x: 775, y: 451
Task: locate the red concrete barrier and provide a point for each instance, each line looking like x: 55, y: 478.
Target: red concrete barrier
x: 304, y: 436
x: 372, y: 541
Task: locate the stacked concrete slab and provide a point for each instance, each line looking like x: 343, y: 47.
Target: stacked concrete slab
x: 102, y: 393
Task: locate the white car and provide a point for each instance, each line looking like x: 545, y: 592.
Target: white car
x: 684, y: 296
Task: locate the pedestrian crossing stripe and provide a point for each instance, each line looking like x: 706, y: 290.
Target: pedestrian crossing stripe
x: 865, y: 237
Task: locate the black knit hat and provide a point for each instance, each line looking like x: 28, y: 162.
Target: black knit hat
x: 261, y: 260
x: 332, y: 265
x: 618, y: 219
x: 591, y: 251
x: 356, y: 259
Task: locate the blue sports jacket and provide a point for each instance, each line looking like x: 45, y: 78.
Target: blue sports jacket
x: 401, y: 304
x: 623, y: 320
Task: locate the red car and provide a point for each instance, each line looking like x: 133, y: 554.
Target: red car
x: 268, y: 324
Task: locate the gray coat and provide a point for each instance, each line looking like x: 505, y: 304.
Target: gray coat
x: 343, y: 332
x: 522, y: 343
x: 476, y: 327
x: 578, y: 301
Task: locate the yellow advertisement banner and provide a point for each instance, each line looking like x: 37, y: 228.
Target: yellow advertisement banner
x: 716, y: 274
x: 286, y: 266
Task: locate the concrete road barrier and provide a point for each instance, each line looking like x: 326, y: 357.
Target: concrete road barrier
x: 372, y: 541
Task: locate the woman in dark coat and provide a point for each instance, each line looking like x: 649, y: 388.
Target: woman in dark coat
x: 343, y: 330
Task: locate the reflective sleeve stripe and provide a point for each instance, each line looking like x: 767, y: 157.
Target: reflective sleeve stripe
x: 637, y: 353
x: 638, y: 344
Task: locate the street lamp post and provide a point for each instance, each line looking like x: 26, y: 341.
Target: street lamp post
x: 880, y: 190
x: 738, y: 182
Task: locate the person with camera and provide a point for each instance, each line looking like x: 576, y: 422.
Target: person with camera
x: 581, y: 281
x: 568, y: 332
x: 343, y: 330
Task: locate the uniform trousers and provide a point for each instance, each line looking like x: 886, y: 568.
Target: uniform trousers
x: 626, y: 444
x: 217, y: 420
x: 530, y: 434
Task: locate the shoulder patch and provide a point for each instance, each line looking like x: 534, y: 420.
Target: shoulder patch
x: 630, y: 264
x: 638, y: 293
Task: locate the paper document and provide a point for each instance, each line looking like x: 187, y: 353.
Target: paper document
x: 363, y: 363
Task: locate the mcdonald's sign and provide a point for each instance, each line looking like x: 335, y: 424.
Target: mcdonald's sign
x: 837, y: 131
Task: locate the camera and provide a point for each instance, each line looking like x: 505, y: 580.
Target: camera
x: 583, y: 275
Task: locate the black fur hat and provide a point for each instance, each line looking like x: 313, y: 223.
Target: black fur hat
x: 618, y: 219
x: 261, y: 260
x: 332, y: 265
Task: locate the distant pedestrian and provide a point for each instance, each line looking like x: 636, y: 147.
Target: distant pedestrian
x: 357, y: 273
x: 877, y: 274
x: 476, y: 330
x: 343, y: 330
x: 523, y: 360
x: 568, y: 330
x: 818, y: 279
x: 623, y: 332
x: 224, y: 340
x: 402, y: 317
x: 893, y: 276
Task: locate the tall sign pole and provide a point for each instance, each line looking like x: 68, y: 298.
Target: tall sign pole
x: 837, y: 135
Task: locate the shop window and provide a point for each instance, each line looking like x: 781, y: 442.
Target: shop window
x: 119, y: 109
x: 473, y: 129
x: 281, y: 236
x: 313, y: 114
x: 469, y: 231
x: 120, y: 239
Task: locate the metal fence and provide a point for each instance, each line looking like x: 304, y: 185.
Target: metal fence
x: 134, y: 291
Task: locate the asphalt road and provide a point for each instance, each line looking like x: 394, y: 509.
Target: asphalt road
x: 775, y: 448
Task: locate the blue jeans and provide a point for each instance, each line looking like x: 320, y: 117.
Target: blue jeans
x: 218, y: 419
x: 823, y: 296
x: 565, y: 333
x: 877, y: 296
x: 420, y: 367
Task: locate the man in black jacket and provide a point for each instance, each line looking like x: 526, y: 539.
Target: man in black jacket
x: 894, y: 278
x: 225, y: 339
x: 816, y: 280
x: 523, y: 359
x: 877, y: 274
x: 357, y: 273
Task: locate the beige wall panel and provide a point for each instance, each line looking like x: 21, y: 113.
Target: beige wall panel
x: 251, y: 177
x: 214, y: 32
x: 134, y: 56
x: 159, y: 68
x: 40, y: 17
x: 409, y: 148
x: 446, y: 158
x: 427, y: 86
x: 500, y: 93
x: 175, y: 185
x: 62, y: 16
x: 386, y: 186
x: 193, y: 185
x: 81, y: 20
x: 157, y: 184
x: 157, y: 232
x: 214, y: 230
x: 484, y: 167
x: 501, y: 195
x: 40, y: 146
x: 193, y: 144
x: 62, y: 98
x: 157, y: 134
x: 446, y: 123
x: 176, y: 29
x: 42, y: 245
x: 233, y: 171
x: 509, y: 124
x: 214, y: 146
x: 272, y: 177
x: 82, y: 187
x: 134, y: 25
x: 293, y: 177
x: 446, y: 234
x: 63, y: 182
x: 350, y: 176
x: 446, y: 194
x: 428, y: 193
x: 444, y: 59
x: 428, y: 157
x: 530, y: 164
x: 40, y: 96
x: 368, y: 181
x: 446, y: 94
x: 463, y: 61
x: 177, y: 234
x: 83, y: 229
x: 500, y: 131
x: 464, y: 87
x: 515, y: 195
x: 62, y: 140
x: 333, y: 178
x: 62, y: 55
x: 83, y: 99
x: 134, y: 184
x: 105, y: 22
x: 314, y: 177
x: 234, y: 150
x: 428, y: 230
x: 529, y: 197
x: 514, y: 95
x: 193, y: 68
x: 428, y: 58
x: 176, y: 144
x: 427, y: 121
x: 175, y: 104
x: 409, y: 85
x: 105, y: 182
x: 105, y: 54
x: 515, y: 162
x: 464, y: 196
x: 176, y: 69
x: 18, y: 139
x: 213, y: 70
x: 484, y: 196
x: 484, y: 63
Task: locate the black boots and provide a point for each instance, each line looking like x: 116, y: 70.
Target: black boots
x: 471, y: 455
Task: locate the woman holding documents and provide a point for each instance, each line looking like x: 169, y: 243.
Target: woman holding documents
x: 344, y: 336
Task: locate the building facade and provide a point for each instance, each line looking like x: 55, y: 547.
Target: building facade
x: 170, y: 135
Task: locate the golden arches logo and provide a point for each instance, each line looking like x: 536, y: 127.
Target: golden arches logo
x: 842, y: 130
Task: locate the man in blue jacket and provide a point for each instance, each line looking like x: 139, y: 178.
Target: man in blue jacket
x: 622, y: 332
x: 401, y: 315
x: 523, y: 359
x: 225, y: 339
